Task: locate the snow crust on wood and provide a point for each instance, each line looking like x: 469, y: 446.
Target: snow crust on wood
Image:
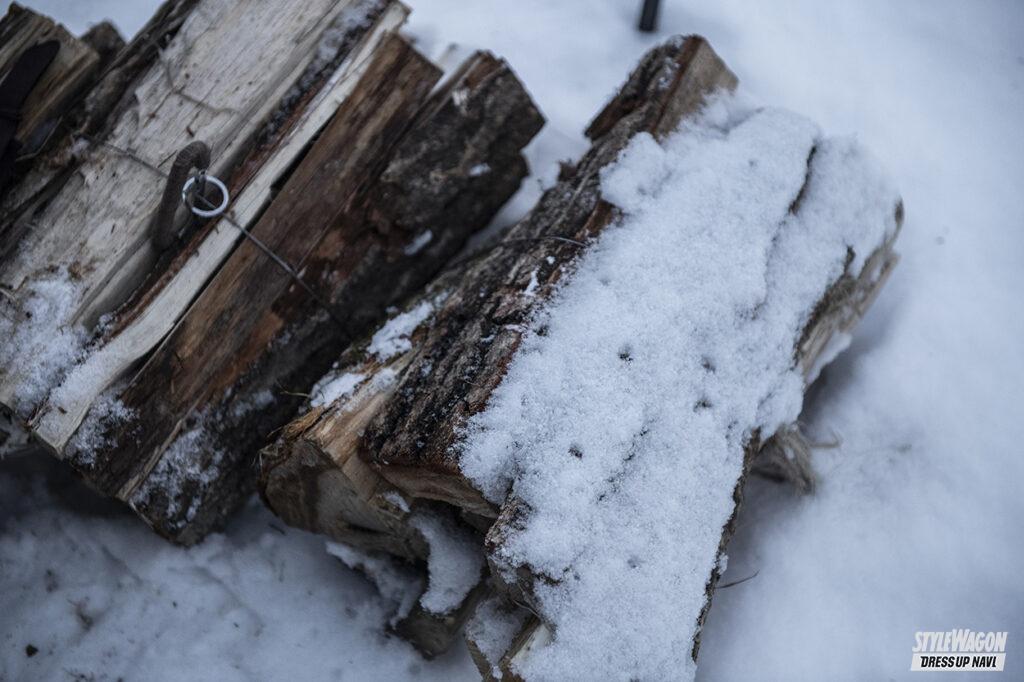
x: 455, y: 562
x: 396, y: 581
x: 393, y: 337
x: 107, y: 409
x: 622, y: 422
x: 40, y: 349
x: 190, y: 467
x: 388, y: 342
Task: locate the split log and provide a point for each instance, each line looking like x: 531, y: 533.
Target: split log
x: 163, y: 297
x: 400, y: 408
x: 91, y: 240
x: 391, y: 191
x: 391, y: 426
x: 325, y: 474
x: 166, y: 407
x: 258, y: 90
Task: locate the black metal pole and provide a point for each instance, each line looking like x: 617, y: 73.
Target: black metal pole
x: 649, y: 16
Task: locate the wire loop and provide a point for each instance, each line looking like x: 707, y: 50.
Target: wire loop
x: 203, y: 178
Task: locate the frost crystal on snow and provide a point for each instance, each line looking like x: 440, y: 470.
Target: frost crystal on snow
x: 622, y: 430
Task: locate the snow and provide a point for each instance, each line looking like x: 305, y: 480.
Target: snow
x: 915, y: 524
x: 396, y: 582
x: 335, y: 386
x: 455, y: 563
x: 192, y: 460
x: 418, y: 243
x: 102, y: 598
x: 91, y: 435
x: 40, y: 346
x: 393, y: 338
x: 492, y: 628
x: 622, y: 428
x: 390, y: 340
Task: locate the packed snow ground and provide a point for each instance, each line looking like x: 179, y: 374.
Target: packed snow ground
x: 916, y: 521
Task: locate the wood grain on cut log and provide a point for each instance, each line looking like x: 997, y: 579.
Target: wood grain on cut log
x: 220, y: 77
x: 389, y: 191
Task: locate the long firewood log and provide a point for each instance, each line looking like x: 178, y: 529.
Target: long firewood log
x: 230, y: 70
x: 390, y: 191
x: 374, y: 243
x: 162, y: 405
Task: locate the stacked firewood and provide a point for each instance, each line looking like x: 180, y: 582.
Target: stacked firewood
x: 325, y: 339
x: 353, y: 175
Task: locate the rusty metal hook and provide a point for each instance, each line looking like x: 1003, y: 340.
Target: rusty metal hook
x: 193, y: 155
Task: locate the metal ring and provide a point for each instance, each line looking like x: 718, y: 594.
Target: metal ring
x: 214, y: 212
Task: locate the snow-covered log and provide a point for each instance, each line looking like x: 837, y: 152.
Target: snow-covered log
x: 314, y: 477
x: 594, y: 387
x: 805, y: 250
